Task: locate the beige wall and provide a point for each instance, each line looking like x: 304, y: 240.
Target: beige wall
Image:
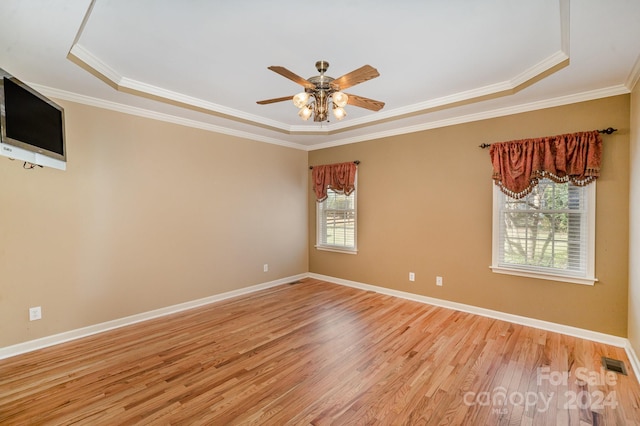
x: 151, y: 214
x: 147, y: 215
x: 634, y: 225
x: 424, y: 205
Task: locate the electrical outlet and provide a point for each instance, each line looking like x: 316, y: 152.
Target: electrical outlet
x: 412, y: 276
x: 35, y: 313
x: 439, y: 281
x: 265, y: 267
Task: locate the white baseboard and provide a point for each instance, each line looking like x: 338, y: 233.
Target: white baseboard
x: 66, y: 336
x: 608, y: 339
x: 55, y: 339
x: 633, y: 358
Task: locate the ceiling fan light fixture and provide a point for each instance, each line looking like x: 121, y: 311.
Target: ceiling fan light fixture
x: 301, y: 99
x: 340, y: 99
x: 305, y: 112
x: 322, y: 92
x: 339, y: 113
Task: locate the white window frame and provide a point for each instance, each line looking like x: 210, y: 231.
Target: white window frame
x: 526, y: 271
x: 335, y: 248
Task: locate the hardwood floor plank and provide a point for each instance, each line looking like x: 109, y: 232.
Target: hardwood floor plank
x: 319, y: 353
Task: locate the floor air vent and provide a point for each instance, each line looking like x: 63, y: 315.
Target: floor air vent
x: 614, y: 365
x: 295, y: 282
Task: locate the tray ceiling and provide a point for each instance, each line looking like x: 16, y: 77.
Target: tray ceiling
x: 204, y: 63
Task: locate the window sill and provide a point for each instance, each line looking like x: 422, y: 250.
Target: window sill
x: 337, y: 249
x: 543, y: 276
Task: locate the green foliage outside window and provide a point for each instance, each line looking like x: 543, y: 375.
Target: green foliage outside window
x: 540, y: 229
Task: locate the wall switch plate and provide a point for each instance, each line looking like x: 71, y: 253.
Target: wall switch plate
x: 265, y: 267
x: 412, y: 276
x: 35, y: 313
x: 439, y: 281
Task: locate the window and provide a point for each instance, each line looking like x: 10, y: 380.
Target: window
x: 336, y: 222
x: 547, y: 234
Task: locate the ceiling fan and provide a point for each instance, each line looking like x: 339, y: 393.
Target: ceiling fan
x: 319, y: 89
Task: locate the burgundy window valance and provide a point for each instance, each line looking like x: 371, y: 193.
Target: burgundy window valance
x: 518, y: 165
x: 337, y: 177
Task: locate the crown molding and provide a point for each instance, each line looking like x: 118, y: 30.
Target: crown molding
x: 551, y: 63
x: 547, y: 66
x: 154, y: 115
x: 83, y: 57
x: 539, y: 70
x: 485, y: 115
x: 90, y: 62
x: 634, y: 75
x: 499, y: 112
x: 565, y: 26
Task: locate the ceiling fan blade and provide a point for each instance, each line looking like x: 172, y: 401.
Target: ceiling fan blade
x: 274, y: 100
x: 362, y: 74
x: 362, y: 102
x: 292, y: 76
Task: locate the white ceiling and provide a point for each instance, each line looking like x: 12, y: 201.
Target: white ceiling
x: 204, y: 63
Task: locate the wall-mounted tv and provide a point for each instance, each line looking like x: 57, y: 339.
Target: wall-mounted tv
x: 31, y: 125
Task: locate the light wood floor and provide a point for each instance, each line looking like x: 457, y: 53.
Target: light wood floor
x: 319, y: 353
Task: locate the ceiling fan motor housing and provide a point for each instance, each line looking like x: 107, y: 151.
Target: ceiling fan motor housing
x: 322, y: 66
x: 321, y: 81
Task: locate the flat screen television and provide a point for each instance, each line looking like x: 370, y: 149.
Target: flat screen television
x: 31, y: 125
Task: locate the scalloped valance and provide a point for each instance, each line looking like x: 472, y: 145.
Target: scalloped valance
x: 339, y: 177
x: 519, y: 165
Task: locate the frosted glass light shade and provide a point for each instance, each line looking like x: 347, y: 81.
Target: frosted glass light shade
x: 340, y: 99
x: 305, y: 113
x: 300, y: 99
x: 339, y: 113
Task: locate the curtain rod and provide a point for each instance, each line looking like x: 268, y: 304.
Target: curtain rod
x: 608, y: 131
x: 355, y: 162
